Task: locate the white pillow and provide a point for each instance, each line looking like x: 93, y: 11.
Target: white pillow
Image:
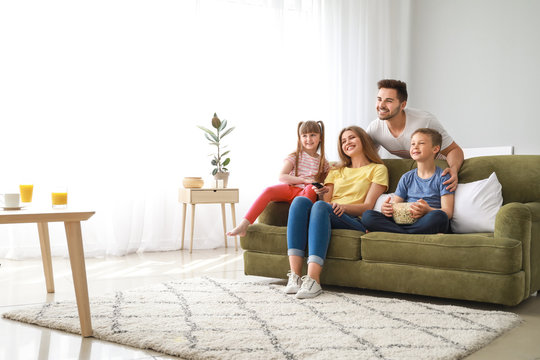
x: 476, y: 205
x: 380, y: 200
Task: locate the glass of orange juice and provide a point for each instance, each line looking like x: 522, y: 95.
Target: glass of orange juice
x: 26, y: 193
x: 59, y: 198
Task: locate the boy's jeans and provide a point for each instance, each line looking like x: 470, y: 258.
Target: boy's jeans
x: 433, y: 222
x: 311, y: 224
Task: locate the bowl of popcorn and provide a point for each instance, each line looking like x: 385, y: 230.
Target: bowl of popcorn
x: 402, y: 213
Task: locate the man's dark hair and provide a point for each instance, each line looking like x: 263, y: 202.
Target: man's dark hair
x: 398, y: 85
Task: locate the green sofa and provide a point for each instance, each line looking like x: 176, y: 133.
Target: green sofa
x: 502, y: 267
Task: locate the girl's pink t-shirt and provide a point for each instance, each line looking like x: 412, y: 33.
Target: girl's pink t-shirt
x: 308, y: 166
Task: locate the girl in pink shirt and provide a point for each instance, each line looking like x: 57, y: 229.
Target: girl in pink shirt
x: 300, y: 169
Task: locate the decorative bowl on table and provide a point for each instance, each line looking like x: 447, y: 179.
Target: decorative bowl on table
x: 402, y: 213
x: 193, y: 182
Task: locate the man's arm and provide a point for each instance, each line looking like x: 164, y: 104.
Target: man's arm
x: 454, y: 158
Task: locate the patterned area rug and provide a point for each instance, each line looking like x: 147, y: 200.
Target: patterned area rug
x: 208, y: 318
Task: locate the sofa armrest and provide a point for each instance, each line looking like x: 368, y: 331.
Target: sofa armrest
x: 515, y: 221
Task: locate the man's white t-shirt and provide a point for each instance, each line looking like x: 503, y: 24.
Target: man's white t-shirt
x: 399, y: 146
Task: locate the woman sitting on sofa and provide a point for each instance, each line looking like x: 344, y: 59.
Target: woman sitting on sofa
x: 349, y: 190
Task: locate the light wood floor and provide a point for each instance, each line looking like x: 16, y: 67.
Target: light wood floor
x: 22, y: 283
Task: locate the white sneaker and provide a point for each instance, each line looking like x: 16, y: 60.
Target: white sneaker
x: 310, y: 288
x: 294, y: 283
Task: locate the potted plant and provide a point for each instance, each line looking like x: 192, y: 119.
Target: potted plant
x: 219, y: 159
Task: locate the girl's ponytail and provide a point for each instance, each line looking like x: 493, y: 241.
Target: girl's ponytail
x: 298, y: 148
x: 321, y: 174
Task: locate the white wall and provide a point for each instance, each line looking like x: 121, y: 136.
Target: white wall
x: 475, y: 64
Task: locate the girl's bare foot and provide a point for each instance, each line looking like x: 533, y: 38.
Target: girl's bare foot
x: 240, y: 230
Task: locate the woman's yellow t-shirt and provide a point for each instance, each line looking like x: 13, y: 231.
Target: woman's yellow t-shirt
x: 351, y: 185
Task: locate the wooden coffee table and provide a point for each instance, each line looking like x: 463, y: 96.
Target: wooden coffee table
x: 72, y: 222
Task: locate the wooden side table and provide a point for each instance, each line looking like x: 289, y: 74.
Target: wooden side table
x: 72, y: 223
x: 208, y: 196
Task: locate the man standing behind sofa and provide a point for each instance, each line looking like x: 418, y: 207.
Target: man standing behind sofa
x: 395, y: 125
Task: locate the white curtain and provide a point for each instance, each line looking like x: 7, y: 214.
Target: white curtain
x: 105, y: 96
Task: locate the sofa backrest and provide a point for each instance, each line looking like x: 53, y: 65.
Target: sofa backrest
x: 519, y: 175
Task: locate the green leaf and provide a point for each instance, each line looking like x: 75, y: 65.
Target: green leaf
x: 225, y: 153
x: 226, y: 162
x: 209, y: 132
x: 223, y: 125
x: 204, y: 129
x: 225, y: 169
x: 226, y: 132
x: 209, y: 138
x: 214, y: 143
x: 214, y: 162
x: 214, y: 172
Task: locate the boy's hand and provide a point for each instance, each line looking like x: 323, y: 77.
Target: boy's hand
x: 453, y: 181
x: 420, y: 208
x: 386, y: 208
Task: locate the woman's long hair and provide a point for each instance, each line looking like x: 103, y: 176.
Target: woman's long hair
x: 307, y: 127
x: 368, y: 147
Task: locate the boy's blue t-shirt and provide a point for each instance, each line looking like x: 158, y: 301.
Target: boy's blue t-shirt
x: 412, y: 188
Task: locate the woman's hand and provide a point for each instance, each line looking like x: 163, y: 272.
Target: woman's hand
x: 420, y: 208
x: 387, y: 208
x: 339, y: 209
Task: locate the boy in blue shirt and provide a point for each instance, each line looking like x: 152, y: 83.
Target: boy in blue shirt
x: 433, y: 204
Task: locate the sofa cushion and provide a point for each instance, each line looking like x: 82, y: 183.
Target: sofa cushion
x: 345, y: 244
x: 476, y: 205
x: 469, y: 252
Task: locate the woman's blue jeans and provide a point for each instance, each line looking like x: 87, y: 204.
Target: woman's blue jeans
x: 311, y: 224
x: 435, y: 221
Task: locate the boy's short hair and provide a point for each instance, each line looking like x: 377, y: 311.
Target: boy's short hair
x: 436, y: 137
x: 399, y: 86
